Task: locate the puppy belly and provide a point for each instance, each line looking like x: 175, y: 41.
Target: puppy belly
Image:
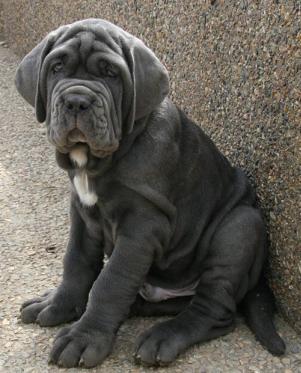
x: 156, y: 294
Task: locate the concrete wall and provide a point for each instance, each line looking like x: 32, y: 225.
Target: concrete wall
x: 235, y: 68
x: 1, y: 19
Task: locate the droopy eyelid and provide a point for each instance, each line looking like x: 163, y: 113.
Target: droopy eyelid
x: 58, y: 66
x: 107, y: 68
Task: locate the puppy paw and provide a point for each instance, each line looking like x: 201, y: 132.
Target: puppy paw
x: 79, y: 346
x: 161, y: 344
x: 49, y: 310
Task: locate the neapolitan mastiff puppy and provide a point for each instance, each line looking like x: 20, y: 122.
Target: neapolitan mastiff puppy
x: 151, y: 191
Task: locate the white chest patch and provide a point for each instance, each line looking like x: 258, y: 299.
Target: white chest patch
x: 81, y: 183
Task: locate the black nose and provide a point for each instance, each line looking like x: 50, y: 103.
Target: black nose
x: 76, y: 103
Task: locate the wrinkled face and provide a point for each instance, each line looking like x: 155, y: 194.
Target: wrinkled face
x: 84, y: 94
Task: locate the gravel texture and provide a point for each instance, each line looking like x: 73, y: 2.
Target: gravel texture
x: 34, y: 225
x: 235, y: 67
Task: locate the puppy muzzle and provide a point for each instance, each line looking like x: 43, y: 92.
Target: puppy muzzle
x: 82, y: 113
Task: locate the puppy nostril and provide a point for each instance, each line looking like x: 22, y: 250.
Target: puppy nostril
x: 83, y: 107
x: 69, y: 106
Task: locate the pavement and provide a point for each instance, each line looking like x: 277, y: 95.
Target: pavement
x: 34, y: 199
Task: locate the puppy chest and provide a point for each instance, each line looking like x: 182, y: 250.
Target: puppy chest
x: 84, y: 188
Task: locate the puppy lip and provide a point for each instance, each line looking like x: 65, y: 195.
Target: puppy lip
x: 76, y: 136
x: 105, y: 151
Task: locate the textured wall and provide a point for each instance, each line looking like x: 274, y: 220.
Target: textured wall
x: 1, y: 18
x: 235, y: 67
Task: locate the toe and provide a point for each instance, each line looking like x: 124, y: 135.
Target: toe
x: 97, y: 351
x: 141, y: 338
x: 51, y: 316
x: 31, y: 301
x: 62, y: 332
x: 92, y: 356
x: 59, y: 345
x: 40, y: 299
x: 160, y: 345
x: 167, y: 352
x: 147, y: 352
x: 30, y: 313
x: 70, y: 356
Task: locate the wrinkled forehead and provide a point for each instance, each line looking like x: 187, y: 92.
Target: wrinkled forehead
x: 87, y: 48
x: 85, y: 43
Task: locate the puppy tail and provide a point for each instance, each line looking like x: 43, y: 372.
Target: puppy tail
x: 258, y: 307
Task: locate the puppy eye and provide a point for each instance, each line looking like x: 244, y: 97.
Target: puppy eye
x: 57, y: 67
x: 107, y: 69
x: 111, y: 73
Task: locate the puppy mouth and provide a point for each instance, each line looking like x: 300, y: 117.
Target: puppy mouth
x: 75, y: 136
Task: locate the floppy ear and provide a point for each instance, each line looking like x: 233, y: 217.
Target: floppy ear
x: 150, y: 79
x: 149, y: 76
x: 28, y: 76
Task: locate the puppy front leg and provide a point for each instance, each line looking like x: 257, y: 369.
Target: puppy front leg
x: 91, y: 339
x: 82, y: 263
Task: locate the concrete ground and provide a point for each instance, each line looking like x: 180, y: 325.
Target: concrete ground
x: 34, y: 224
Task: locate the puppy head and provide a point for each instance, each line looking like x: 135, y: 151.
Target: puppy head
x: 91, y: 81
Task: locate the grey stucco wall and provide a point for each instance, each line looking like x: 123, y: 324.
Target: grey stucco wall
x: 1, y: 19
x: 235, y: 67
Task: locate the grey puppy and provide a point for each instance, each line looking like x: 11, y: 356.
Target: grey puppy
x: 150, y: 190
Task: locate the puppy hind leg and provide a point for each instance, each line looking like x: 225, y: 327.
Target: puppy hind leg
x: 210, y: 314
x: 227, y: 274
x: 201, y: 320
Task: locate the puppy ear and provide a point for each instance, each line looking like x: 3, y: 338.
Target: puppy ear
x: 149, y: 76
x: 28, y: 76
x: 150, y: 79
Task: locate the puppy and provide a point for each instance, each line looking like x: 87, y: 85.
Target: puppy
x: 152, y: 192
